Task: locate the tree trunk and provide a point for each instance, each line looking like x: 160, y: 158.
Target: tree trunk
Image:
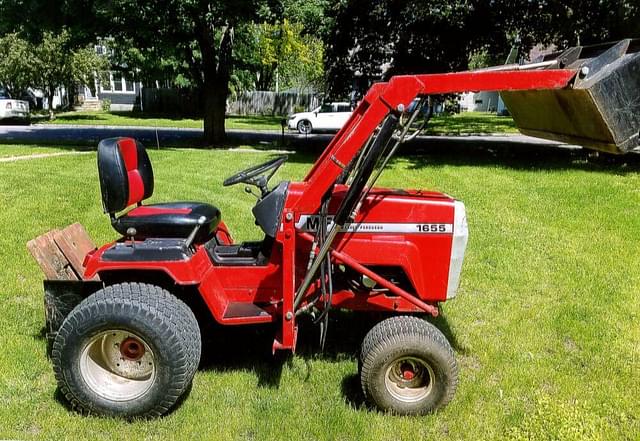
x: 214, y: 111
x: 216, y: 83
x: 50, y: 102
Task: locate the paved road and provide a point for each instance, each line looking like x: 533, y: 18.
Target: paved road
x: 91, y: 135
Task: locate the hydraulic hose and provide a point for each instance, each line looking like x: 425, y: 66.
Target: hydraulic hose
x: 350, y: 200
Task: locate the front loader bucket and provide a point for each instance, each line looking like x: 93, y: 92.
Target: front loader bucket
x: 600, y: 109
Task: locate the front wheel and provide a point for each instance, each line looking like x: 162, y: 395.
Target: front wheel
x: 305, y: 127
x: 407, y: 367
x: 128, y: 350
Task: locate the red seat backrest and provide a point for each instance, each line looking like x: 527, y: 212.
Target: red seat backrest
x: 126, y: 176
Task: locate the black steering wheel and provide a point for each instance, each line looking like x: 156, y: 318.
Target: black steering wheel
x: 256, y: 175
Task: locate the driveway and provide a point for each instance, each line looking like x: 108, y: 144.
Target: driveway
x: 91, y: 135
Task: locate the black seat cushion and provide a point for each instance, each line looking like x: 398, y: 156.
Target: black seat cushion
x: 175, y: 219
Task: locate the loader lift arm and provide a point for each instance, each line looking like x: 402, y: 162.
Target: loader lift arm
x: 386, y: 98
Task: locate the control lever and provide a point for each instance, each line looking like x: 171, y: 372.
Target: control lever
x: 189, y: 241
x: 131, y: 234
x: 248, y: 189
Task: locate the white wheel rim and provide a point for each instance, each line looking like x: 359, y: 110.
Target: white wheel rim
x: 409, y: 379
x: 117, y: 371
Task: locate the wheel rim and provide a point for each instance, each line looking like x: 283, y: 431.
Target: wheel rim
x: 118, y: 365
x: 409, y: 379
x: 304, y: 126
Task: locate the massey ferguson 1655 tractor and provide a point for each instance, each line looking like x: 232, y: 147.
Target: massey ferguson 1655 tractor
x: 123, y: 336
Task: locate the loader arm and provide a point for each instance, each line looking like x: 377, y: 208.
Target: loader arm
x: 385, y: 98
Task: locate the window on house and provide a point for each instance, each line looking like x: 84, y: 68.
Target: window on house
x: 117, y: 84
x: 129, y: 86
x: 105, y: 84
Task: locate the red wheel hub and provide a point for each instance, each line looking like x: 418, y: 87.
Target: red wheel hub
x: 407, y: 371
x: 132, y: 349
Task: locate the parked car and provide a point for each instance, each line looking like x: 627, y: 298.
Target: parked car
x: 13, y: 109
x: 330, y: 116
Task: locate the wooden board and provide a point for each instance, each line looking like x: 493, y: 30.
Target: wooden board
x: 53, y: 262
x: 60, y: 253
x: 75, y: 243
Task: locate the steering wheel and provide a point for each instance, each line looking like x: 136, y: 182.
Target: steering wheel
x: 255, y: 175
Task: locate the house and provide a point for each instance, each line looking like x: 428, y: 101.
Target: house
x: 482, y: 102
x: 120, y: 88
x: 122, y: 92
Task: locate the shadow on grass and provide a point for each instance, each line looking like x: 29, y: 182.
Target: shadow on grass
x: 433, y: 152
x: 64, y: 402
x: 248, y: 348
x: 106, y: 116
x: 140, y: 115
x: 352, y: 392
x: 518, y: 157
x: 14, y: 122
x: 266, y: 121
x: 82, y: 117
x: 102, y: 116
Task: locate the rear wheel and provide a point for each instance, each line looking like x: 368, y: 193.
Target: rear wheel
x: 407, y: 367
x: 128, y: 350
x: 305, y: 127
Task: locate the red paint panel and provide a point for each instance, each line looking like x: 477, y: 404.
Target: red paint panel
x: 487, y: 81
x: 136, y: 187
x: 146, y: 210
x: 223, y: 234
x: 129, y: 152
x: 184, y: 272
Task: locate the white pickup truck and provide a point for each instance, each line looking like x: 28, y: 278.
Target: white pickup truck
x: 13, y: 109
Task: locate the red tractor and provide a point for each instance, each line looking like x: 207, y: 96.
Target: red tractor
x: 124, y: 340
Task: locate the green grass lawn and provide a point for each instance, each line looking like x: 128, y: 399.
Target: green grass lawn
x: 457, y: 124
x: 12, y: 150
x: 141, y: 119
x: 545, y: 325
x: 471, y: 123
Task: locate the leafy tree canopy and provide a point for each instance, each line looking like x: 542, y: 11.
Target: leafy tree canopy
x: 46, y: 65
x: 281, y: 56
x: 376, y: 39
x: 17, y: 70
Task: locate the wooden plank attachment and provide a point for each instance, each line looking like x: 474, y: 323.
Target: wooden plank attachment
x: 60, y: 253
x: 53, y: 262
x: 75, y: 243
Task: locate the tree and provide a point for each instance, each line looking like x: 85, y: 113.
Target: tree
x: 47, y: 65
x: 59, y: 37
x: 31, y: 18
x: 17, y: 70
x: 279, y: 55
x: 56, y: 64
x: 376, y: 39
x: 304, y: 70
x: 196, y: 35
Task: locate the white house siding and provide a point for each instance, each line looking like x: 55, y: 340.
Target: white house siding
x: 479, y: 102
x: 121, y: 91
